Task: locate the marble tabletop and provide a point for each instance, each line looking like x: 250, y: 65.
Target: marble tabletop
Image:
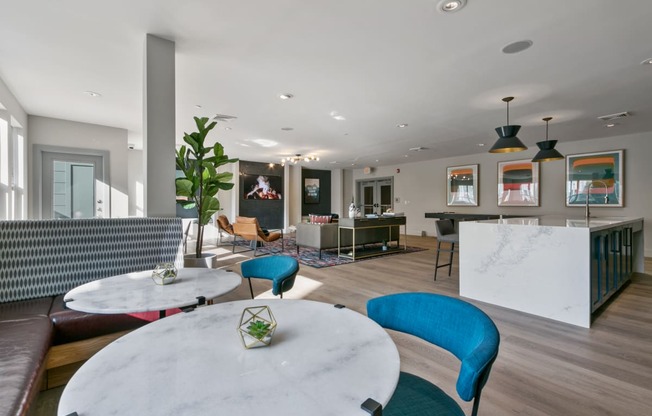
x: 137, y: 292
x: 322, y: 361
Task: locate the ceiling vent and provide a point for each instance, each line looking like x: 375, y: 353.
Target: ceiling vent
x: 616, y: 116
x: 223, y: 117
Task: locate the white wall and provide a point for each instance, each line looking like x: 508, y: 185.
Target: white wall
x: 135, y: 183
x: 13, y: 107
x: 421, y: 186
x: 63, y: 133
x: 13, y: 193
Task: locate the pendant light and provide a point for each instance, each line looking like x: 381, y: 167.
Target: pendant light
x: 508, y: 142
x: 547, y: 150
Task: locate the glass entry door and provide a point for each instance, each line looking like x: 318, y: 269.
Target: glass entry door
x: 72, y: 186
x: 376, y: 196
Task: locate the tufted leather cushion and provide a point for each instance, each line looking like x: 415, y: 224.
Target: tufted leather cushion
x: 24, y: 344
x: 73, y: 325
x: 25, y: 308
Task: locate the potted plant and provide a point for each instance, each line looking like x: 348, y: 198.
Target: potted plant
x: 257, y: 325
x: 201, y: 180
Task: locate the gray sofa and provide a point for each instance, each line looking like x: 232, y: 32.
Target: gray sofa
x: 324, y: 236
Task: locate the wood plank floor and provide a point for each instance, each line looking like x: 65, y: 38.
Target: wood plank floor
x: 543, y: 367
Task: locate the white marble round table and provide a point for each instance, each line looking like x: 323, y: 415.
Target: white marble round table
x: 322, y: 361
x: 137, y: 292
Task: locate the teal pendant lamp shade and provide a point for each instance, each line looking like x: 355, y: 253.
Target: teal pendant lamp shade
x: 547, y: 151
x: 508, y: 142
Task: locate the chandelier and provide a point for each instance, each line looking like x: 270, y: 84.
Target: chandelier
x: 297, y: 158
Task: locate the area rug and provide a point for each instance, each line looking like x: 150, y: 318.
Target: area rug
x: 310, y: 256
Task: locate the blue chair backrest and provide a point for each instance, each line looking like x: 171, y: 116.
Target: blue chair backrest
x: 281, y: 270
x: 450, y: 323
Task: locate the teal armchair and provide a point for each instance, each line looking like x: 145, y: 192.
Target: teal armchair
x: 281, y: 270
x: 452, y: 324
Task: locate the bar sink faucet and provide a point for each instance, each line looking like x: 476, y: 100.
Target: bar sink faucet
x: 587, y: 213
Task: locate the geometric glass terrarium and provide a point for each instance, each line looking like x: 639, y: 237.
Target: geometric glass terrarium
x: 164, y: 273
x: 257, y: 325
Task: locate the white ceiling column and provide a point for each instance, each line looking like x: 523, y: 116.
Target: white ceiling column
x: 159, y: 128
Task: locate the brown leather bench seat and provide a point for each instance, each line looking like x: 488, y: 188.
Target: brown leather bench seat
x: 24, y: 344
x: 28, y: 329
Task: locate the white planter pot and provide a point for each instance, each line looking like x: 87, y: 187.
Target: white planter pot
x: 206, y: 260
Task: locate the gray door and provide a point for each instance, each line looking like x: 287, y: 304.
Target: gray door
x: 72, y: 186
x: 376, y: 196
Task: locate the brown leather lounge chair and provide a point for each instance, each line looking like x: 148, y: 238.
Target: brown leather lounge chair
x: 248, y: 228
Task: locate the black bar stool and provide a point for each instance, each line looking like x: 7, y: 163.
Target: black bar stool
x: 445, y: 234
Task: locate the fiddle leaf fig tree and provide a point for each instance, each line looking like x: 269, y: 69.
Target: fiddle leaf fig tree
x: 201, y: 180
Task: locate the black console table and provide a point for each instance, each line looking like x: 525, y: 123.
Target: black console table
x: 358, y: 224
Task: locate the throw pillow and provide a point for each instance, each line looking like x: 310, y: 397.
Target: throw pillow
x: 320, y: 219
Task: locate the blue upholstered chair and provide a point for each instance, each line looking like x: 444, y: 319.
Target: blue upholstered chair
x: 281, y: 270
x: 452, y: 324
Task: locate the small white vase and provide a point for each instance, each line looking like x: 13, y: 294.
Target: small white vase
x: 352, y: 211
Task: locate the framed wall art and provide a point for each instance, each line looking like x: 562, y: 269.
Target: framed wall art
x: 518, y: 183
x: 595, y: 178
x: 462, y: 186
x: 262, y: 187
x: 311, y: 190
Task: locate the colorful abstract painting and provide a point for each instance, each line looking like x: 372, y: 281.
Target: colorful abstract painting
x: 518, y: 183
x: 595, y: 178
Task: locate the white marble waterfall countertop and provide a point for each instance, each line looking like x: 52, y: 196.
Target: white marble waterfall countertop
x: 592, y: 223
x: 137, y: 292
x: 323, y: 361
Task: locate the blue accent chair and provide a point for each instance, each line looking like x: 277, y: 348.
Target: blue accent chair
x: 452, y: 324
x: 281, y: 270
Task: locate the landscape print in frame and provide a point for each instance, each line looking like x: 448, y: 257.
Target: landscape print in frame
x: 462, y: 185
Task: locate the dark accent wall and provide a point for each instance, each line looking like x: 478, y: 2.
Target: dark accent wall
x: 268, y: 211
x: 324, y: 205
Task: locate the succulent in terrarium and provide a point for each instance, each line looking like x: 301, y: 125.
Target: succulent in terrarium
x: 258, y: 329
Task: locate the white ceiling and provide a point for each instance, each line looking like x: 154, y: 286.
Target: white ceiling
x: 378, y: 63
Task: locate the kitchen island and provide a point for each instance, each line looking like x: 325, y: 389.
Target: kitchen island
x: 551, y: 266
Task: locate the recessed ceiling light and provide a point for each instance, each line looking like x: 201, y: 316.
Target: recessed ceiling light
x: 227, y: 128
x: 286, y: 96
x: 334, y: 162
x: 448, y: 6
x: 287, y: 128
x: 197, y: 106
x: 647, y: 62
x: 516, y: 47
x: 93, y: 93
x: 480, y: 144
x: 406, y: 156
x: 609, y: 125
x: 401, y: 126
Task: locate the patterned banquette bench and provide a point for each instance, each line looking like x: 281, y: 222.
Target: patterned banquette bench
x: 42, y: 342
